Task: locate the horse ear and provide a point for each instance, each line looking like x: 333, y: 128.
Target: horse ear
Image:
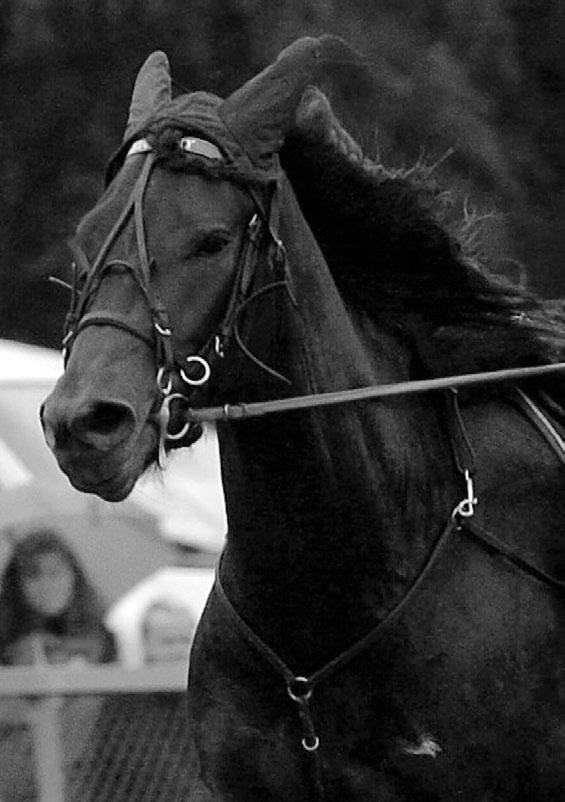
x: 151, y: 93
x: 261, y: 112
x: 315, y: 116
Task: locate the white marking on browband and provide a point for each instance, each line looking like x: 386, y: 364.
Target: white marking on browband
x: 188, y: 144
x: 426, y: 746
x: 201, y: 147
x: 139, y: 146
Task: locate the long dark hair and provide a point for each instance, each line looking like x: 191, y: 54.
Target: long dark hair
x: 408, y: 254
x: 83, y: 615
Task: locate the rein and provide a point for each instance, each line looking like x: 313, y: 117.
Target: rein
x: 259, y: 408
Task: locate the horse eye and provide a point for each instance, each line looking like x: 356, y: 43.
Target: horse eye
x: 211, y: 244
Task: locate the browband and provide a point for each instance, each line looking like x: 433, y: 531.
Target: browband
x: 188, y: 144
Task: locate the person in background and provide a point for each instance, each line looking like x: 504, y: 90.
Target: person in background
x: 167, y: 632
x: 49, y: 613
x: 151, y: 728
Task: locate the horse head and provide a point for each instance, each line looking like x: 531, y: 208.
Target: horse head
x: 183, y: 238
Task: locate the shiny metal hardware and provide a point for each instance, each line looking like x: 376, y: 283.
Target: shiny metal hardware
x: 310, y: 747
x: 253, y: 226
x: 163, y: 417
x: 200, y: 147
x: 300, y: 691
x: 466, y: 507
x: 164, y: 332
x: 297, y: 694
x: 205, y: 374
x: 219, y: 346
x: 139, y: 146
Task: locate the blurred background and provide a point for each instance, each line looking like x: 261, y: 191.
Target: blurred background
x: 482, y: 77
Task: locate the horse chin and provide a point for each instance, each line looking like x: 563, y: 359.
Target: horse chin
x: 111, y: 475
x: 113, y: 489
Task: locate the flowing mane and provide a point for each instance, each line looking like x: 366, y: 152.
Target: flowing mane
x: 386, y: 619
x: 396, y: 254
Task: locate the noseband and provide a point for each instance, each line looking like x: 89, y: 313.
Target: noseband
x: 171, y: 371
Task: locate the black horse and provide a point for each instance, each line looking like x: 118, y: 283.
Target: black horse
x: 388, y: 618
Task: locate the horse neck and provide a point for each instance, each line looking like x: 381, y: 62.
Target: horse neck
x: 331, y: 510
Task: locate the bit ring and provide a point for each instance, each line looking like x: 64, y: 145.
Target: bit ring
x: 205, y: 371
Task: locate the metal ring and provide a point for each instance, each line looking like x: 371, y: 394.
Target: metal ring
x: 299, y: 697
x: 165, y: 414
x: 311, y: 747
x: 179, y: 435
x: 164, y: 332
x: 205, y: 376
x: 186, y: 428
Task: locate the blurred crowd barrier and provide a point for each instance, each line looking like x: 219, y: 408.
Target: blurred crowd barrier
x: 94, y: 733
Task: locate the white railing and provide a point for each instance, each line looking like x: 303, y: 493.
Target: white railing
x: 43, y: 690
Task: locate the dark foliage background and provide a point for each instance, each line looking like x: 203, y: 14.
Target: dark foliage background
x: 482, y: 77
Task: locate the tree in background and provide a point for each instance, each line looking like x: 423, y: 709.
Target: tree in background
x: 482, y: 80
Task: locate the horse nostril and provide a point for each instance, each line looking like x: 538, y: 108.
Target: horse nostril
x: 104, y: 417
x: 104, y: 424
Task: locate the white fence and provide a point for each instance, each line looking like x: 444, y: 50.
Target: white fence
x: 93, y: 734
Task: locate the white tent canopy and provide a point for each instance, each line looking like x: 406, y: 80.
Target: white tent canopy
x: 186, y: 498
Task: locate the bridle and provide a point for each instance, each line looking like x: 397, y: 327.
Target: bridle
x: 172, y: 371
x: 160, y: 338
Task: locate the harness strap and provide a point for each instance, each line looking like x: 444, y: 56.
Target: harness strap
x: 300, y: 688
x: 138, y: 188
x: 115, y: 320
x: 465, y: 456
x: 246, y: 262
x: 95, y: 273
x: 160, y: 339
x: 463, y: 451
x: 541, y: 422
x: 273, y: 285
x: 492, y: 543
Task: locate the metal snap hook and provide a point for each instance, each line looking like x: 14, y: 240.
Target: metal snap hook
x: 205, y: 374
x: 466, y: 507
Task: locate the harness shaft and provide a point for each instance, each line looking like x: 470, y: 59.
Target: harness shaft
x: 258, y: 408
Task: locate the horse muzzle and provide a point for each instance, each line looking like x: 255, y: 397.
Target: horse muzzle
x: 100, y: 443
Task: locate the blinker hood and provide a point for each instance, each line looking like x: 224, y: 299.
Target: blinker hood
x: 250, y: 126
